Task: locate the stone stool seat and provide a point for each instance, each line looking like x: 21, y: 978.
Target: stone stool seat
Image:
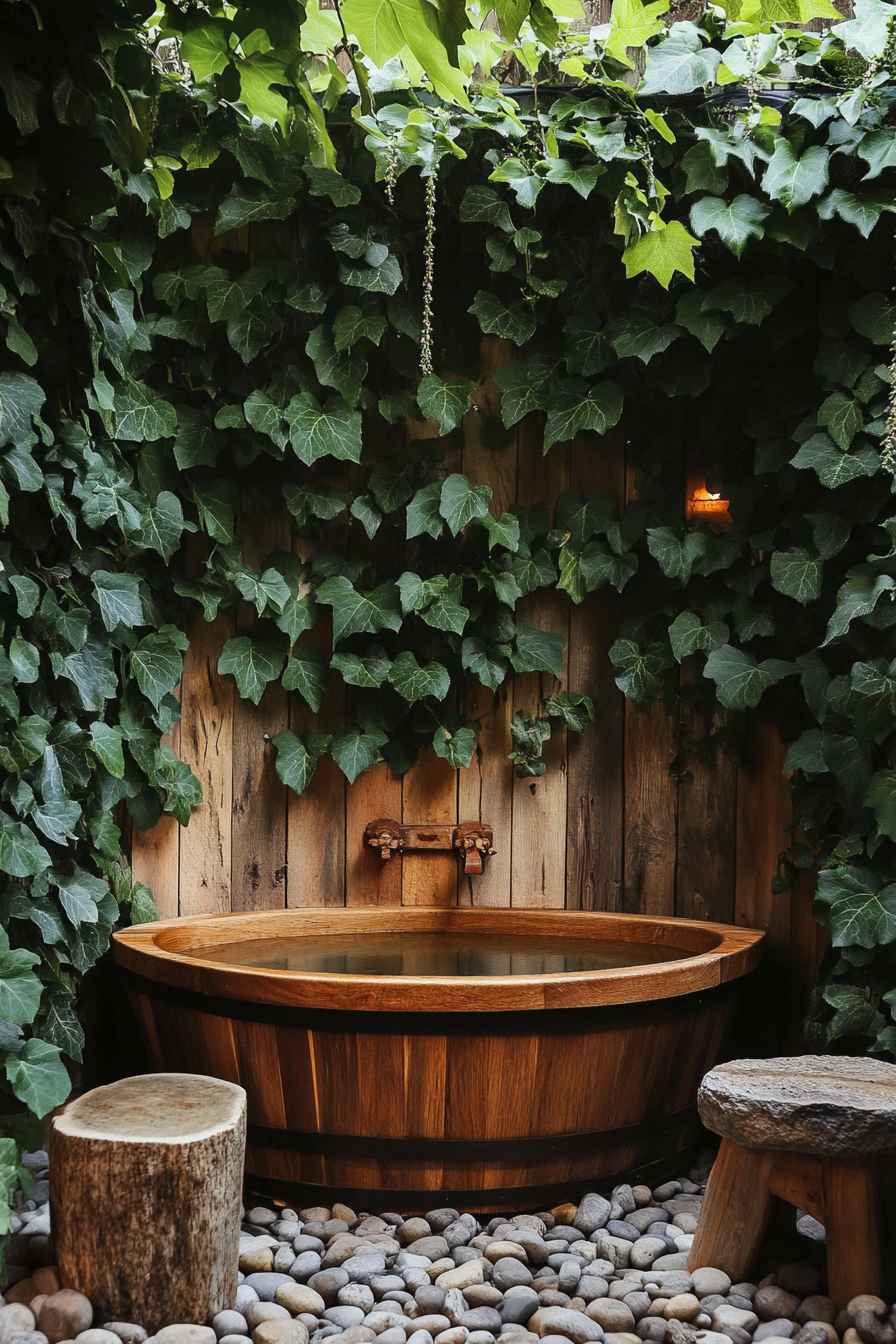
x: 815, y: 1130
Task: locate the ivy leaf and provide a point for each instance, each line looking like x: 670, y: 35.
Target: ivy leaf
x: 250, y: 330
x: 20, y: 401
x: 639, y: 672
x: 357, y: 613
x: 306, y: 672
x: 881, y: 798
x: 244, y: 205
x: 842, y: 417
x: 80, y: 893
x: 857, y: 597
x: 444, y: 402
x: 424, y: 511
x: 118, y: 596
x: 27, y: 594
x: 807, y: 754
x: 106, y: 741
x: 252, y: 664
x: 632, y: 24
x: 878, y: 149
x: 354, y: 750
x: 735, y: 223
x: 313, y: 501
x: 576, y: 710
x: 316, y: 431
x: 663, y: 251
x: 456, y: 748
x: 833, y: 467
x: 636, y: 334
x: 675, y: 555
x: 163, y: 527
x: 740, y: 680
x: 382, y: 279
x: 749, y: 302
x: 21, y: 855
x: 794, y: 181
x: 598, y: 565
x: 537, y: 650
x: 855, y: 1013
x: 141, y: 415
x: 390, y: 485
x: 569, y: 412
x: 688, y: 634
x: 297, y: 757
x: 862, y: 209
x: 58, y: 1025
x: 488, y: 662
x: 269, y: 589
x: 326, y: 182
x: 515, y: 324
x: 868, y: 31
x: 875, y: 317
x: 460, y: 502
x: 855, y: 907
x: 369, y: 671
x: 38, y: 1077
x: 350, y: 325
x: 797, y: 574
x: 483, y: 205
x: 413, y: 682
x: 503, y: 531
x: 298, y: 615
x: 158, y: 666
x: 20, y: 989
x: 680, y: 63
x: 385, y: 27
x: 25, y: 661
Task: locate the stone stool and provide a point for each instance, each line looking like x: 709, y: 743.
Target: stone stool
x: 816, y: 1131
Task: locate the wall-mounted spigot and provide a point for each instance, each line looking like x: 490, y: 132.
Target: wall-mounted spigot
x: 475, y: 844
x: 471, y: 839
x: 385, y: 835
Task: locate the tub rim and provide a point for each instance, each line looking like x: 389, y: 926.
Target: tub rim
x: 157, y: 952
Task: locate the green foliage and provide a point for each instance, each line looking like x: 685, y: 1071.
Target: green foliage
x: 640, y: 257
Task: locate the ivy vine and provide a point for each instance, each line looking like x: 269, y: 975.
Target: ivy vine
x: 687, y: 223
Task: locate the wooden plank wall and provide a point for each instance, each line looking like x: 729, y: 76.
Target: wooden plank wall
x: 608, y: 827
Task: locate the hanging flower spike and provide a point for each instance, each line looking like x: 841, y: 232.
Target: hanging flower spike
x: 429, y: 252
x: 888, y: 447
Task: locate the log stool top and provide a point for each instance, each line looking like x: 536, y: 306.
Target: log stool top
x: 826, y: 1105
x: 157, y: 1107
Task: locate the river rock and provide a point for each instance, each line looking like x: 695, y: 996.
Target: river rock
x: 355, y: 1295
x: 327, y: 1283
x: 298, y: 1298
x: 652, y: 1329
x: 726, y: 1316
x: 681, y: 1332
x: 533, y: 1245
x: 64, y: 1315
x: 574, y: 1325
x: 344, y: 1316
x: 615, y: 1249
x: 461, y: 1276
x: 256, y: 1312
x: 646, y: 1250
x: 434, y: 1322
x: 229, y: 1323
x: 483, y: 1295
x: 592, y: 1213
x: 682, y: 1307
x: 592, y: 1286
x: 433, y: 1247
x: 779, y: 1329
x: 510, y: 1273
x: 610, y: 1314
x: 129, y: 1333
x: 638, y: 1304
x: 256, y: 1259
x: 643, y: 1218
x: 519, y: 1305
x: 481, y: 1318
x: 816, y: 1308
x: 277, y: 1332
x: 266, y: 1285
x: 771, y: 1303
x: 708, y: 1281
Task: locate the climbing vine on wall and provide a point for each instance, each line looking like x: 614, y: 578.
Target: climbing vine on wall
x: 686, y: 223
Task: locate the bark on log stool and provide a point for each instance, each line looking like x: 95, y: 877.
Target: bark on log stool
x: 815, y: 1130
x: 145, y: 1196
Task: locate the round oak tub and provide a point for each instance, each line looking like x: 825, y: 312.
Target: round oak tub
x: 479, y: 1091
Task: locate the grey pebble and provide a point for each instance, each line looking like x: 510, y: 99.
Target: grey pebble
x: 593, y: 1213
x: 304, y: 1265
x: 781, y: 1328
x: 267, y: 1284
x: 230, y: 1323
x: 344, y: 1316
x: 623, y: 1229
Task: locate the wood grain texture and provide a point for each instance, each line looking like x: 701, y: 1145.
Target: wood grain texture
x: 429, y: 793
x: 596, y: 781
x: 538, y: 860
x: 259, y: 799
x: 115, y: 1149
x: 707, y: 802
x: 738, y: 1180
x: 651, y: 810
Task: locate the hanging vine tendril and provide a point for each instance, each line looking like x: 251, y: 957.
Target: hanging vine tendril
x: 429, y: 253
x: 888, y: 447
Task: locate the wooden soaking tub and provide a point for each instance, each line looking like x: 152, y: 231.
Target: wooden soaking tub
x: 500, y: 1073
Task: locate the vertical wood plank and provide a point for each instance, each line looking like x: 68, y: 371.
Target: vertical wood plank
x: 596, y: 806
x: 538, y: 863
x: 369, y: 881
x: 259, y: 799
x: 707, y: 801
x: 429, y: 794
x: 155, y: 861
x: 485, y: 791
x: 206, y: 744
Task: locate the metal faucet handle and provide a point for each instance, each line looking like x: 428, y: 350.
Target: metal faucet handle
x: 384, y: 835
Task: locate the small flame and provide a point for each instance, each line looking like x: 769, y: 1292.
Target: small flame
x: 704, y: 504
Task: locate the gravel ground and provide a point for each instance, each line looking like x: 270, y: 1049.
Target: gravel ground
x: 611, y: 1269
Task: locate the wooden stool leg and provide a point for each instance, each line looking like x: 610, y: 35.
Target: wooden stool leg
x: 735, y: 1211
x: 851, y: 1230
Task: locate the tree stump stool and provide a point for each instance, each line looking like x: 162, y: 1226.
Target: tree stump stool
x: 145, y: 1197
x: 814, y: 1130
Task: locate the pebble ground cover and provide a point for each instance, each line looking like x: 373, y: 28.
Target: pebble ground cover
x: 608, y: 1269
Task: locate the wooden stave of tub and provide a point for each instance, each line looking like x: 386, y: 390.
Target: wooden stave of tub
x: 369, y: 1090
